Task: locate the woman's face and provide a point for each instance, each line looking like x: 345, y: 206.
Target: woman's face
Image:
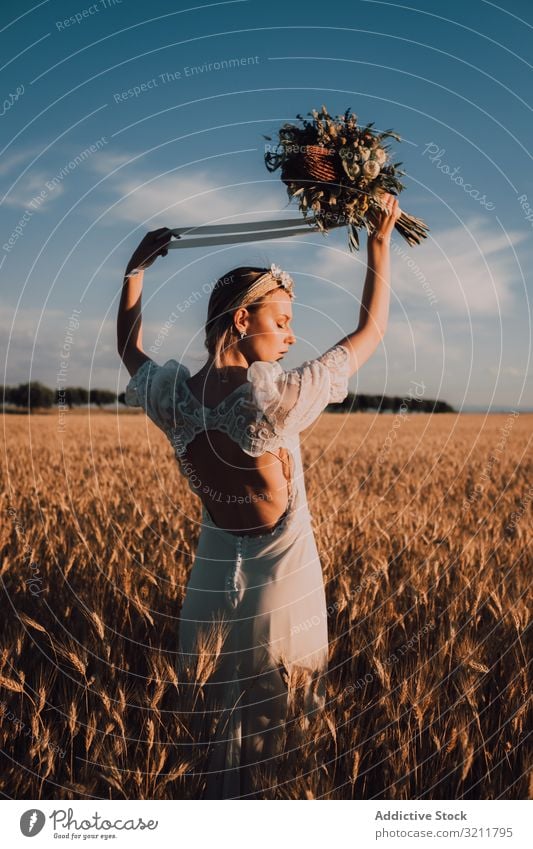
x: 268, y: 328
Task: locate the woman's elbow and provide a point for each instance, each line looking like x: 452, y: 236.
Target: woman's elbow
x: 122, y: 347
x: 372, y: 329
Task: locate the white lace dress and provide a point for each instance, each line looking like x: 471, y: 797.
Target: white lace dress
x: 267, y: 588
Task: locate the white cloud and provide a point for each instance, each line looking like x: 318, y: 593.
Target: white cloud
x: 104, y: 162
x: 10, y: 161
x: 26, y: 359
x: 449, y: 274
x: 93, y: 360
x: 32, y: 188
x: 507, y: 371
x: 191, y: 198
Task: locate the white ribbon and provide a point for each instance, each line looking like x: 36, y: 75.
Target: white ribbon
x: 223, y: 234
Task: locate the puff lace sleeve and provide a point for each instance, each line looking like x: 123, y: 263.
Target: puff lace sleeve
x: 292, y: 400
x: 153, y: 387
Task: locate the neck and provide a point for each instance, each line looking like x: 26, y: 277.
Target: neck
x: 231, y: 361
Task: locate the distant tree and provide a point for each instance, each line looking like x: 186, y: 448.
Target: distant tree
x: 443, y: 407
x: 348, y: 405
x: 375, y: 402
x: 32, y: 395
x: 386, y: 403
x: 363, y: 402
x: 101, y: 396
x: 80, y: 396
x: 73, y: 396
x: 69, y: 397
x: 351, y: 403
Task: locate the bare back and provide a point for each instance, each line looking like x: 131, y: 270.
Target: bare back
x: 241, y: 493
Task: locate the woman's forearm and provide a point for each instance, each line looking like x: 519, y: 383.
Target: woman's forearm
x: 375, y: 300
x: 129, y: 319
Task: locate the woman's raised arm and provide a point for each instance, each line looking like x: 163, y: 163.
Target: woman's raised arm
x: 129, y: 318
x: 374, y: 313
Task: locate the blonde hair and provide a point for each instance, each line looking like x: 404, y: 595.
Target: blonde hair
x: 234, y: 290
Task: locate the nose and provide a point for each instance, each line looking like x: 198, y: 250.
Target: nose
x: 291, y: 338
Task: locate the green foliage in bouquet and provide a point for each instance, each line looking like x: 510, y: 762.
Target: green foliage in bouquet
x: 339, y: 171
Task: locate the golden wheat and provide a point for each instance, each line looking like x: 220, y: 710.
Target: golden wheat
x: 425, y: 542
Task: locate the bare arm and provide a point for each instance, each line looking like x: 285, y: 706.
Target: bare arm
x: 129, y: 318
x: 374, y: 312
x: 129, y: 323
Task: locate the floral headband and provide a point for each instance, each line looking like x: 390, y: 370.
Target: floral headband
x: 263, y: 284
x: 283, y: 277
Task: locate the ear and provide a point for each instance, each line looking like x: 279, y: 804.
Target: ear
x: 239, y: 318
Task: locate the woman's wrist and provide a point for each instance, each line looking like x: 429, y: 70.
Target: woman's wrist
x: 378, y: 240
x: 133, y: 270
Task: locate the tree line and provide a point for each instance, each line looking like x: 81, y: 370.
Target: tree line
x: 35, y: 395
x: 389, y: 403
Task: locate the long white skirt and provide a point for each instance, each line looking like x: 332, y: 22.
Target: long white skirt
x: 269, y: 591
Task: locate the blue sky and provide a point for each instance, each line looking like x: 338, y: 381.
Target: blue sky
x: 454, y: 80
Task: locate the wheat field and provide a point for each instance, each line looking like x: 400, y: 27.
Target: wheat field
x: 423, y: 525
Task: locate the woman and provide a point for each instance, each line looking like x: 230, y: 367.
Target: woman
x: 256, y: 578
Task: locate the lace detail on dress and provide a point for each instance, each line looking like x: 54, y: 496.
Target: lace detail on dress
x: 136, y: 388
x: 292, y: 400
x: 337, y: 360
x: 155, y: 388
x: 272, y: 407
x: 263, y: 376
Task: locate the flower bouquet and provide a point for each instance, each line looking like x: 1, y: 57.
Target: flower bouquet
x: 340, y: 171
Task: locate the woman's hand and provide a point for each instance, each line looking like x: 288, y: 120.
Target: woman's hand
x: 385, y: 219
x: 154, y: 244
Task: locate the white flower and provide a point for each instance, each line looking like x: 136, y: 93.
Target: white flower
x: 284, y: 277
x: 371, y: 169
x: 380, y: 155
x: 364, y: 153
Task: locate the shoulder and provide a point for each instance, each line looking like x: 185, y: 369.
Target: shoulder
x: 337, y: 357
x: 334, y: 360
x: 331, y: 367
x: 264, y: 377
x: 292, y: 399
x: 151, y: 379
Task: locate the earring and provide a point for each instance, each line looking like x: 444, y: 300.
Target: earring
x: 243, y: 334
